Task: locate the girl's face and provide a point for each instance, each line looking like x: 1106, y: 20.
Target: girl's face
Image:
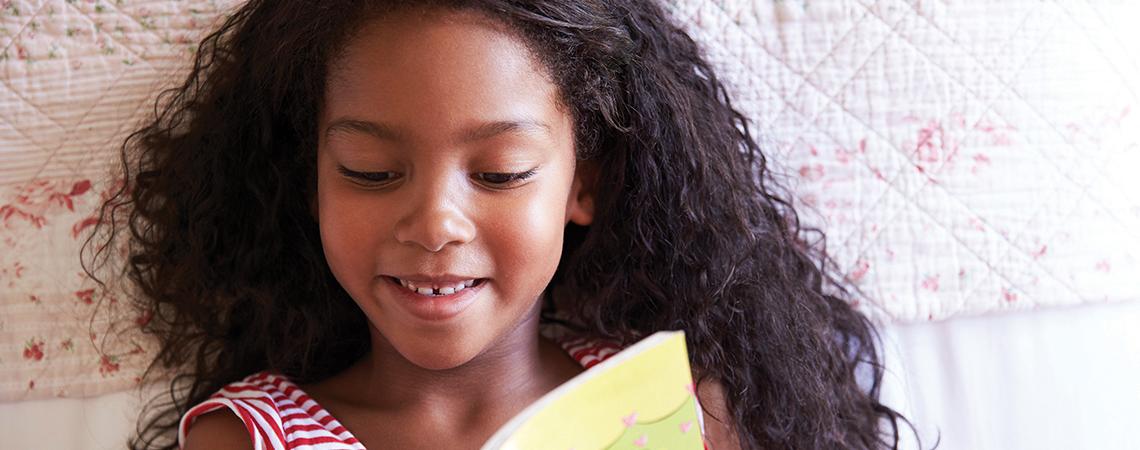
x: 443, y: 156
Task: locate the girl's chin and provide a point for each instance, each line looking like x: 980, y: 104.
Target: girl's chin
x: 436, y: 349
x: 439, y: 357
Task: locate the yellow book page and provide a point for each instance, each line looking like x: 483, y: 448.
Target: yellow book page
x: 639, y: 398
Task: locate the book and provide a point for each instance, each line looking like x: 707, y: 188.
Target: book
x: 640, y: 398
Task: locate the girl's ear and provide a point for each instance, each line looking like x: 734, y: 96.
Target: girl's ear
x: 580, y: 205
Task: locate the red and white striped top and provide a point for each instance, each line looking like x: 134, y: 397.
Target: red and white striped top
x: 280, y: 416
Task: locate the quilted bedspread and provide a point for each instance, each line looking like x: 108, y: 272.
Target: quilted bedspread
x: 962, y: 157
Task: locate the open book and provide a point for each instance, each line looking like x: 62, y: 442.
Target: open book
x: 640, y: 398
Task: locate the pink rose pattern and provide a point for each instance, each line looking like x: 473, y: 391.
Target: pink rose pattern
x: 78, y: 74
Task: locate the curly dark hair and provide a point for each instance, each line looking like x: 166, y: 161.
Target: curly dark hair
x: 690, y: 231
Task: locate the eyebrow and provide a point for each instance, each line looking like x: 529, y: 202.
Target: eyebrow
x: 481, y: 131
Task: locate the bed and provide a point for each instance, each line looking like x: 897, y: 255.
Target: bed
x: 972, y: 164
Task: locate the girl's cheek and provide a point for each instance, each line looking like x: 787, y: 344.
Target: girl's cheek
x: 348, y: 230
x: 538, y: 227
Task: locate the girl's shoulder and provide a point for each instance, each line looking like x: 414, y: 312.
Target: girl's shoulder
x: 276, y: 413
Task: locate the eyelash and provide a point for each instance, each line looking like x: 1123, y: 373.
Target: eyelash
x: 372, y: 179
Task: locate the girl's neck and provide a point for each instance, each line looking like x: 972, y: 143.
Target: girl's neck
x: 507, y: 377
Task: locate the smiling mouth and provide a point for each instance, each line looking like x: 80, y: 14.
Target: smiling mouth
x: 437, y: 289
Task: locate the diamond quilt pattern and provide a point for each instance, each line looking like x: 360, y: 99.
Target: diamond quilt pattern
x: 962, y: 157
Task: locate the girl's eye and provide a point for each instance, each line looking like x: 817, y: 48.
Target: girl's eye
x: 372, y: 179
x: 496, y: 179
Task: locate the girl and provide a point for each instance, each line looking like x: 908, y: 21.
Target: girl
x: 354, y: 218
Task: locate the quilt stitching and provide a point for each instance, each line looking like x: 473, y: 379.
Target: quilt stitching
x: 1010, y: 250
x: 23, y: 27
x: 1010, y: 246
x: 892, y: 185
x: 1009, y: 88
x: 1084, y: 29
x: 141, y: 26
x: 53, y: 153
x: 15, y: 92
x: 111, y: 36
x: 17, y: 129
x: 830, y: 54
x: 867, y: 127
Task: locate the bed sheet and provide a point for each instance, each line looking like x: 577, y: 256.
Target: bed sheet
x: 1062, y: 379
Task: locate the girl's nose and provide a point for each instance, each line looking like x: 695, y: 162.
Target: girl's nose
x: 434, y: 219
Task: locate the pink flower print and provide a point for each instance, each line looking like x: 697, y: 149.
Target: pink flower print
x: 80, y: 187
x: 34, y: 350
x: 108, y: 365
x: 843, y: 155
x: 1009, y: 295
x: 630, y: 420
x: 1040, y: 252
x: 861, y: 268
x: 811, y: 173
x: 980, y: 161
x: 82, y: 225
x: 7, y: 211
x: 930, y: 283
x: 926, y: 150
x: 144, y: 318
x: 685, y: 426
x: 1103, y: 266
x: 86, y: 296
x: 641, y: 441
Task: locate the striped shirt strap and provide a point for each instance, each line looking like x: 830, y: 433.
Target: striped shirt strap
x: 256, y: 409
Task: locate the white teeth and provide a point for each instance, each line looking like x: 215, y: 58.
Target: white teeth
x: 435, y: 289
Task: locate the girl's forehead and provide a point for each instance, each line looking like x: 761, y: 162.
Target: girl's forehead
x: 445, y: 71
x: 404, y: 37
